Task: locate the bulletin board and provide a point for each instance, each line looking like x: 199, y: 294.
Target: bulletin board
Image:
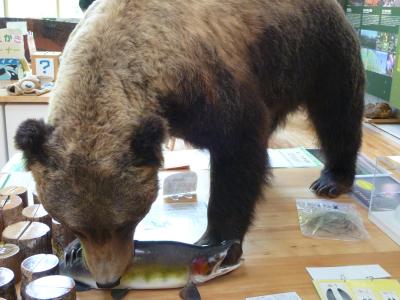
x: 377, y: 23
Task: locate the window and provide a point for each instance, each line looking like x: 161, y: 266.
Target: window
x: 69, y: 9
x: 41, y: 8
x: 32, y: 8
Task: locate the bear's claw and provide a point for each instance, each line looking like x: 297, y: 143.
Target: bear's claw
x: 72, y: 252
x: 328, y: 186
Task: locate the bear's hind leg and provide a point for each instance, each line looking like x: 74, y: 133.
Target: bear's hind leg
x: 337, y: 117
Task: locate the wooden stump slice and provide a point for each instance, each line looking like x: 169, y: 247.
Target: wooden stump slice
x: 20, y: 191
x: 10, y: 257
x: 51, y: 287
x: 12, y: 211
x: 37, y: 266
x: 61, y: 238
x: 12, y: 233
x: 32, y: 238
x: 36, y: 239
x: 36, y: 213
x: 7, y: 287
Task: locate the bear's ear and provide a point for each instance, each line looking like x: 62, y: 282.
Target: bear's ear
x: 146, y: 142
x: 30, y: 138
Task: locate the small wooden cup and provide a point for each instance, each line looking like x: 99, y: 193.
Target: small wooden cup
x: 7, y: 284
x: 10, y: 257
x: 54, y: 287
x: 38, y: 266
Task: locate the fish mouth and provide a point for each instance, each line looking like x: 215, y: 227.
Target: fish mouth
x: 217, y: 271
x: 226, y: 261
x: 233, y: 255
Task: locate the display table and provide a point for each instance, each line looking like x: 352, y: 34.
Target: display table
x: 5, y: 98
x: 276, y: 253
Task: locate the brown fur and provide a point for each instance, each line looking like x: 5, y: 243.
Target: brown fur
x: 222, y: 75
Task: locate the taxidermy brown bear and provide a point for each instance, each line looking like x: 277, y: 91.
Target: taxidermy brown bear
x: 220, y: 74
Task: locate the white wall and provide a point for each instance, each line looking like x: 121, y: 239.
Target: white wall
x: 16, y: 114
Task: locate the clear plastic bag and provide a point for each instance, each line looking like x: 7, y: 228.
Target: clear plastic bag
x: 330, y: 220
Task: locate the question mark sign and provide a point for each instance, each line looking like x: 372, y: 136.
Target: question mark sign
x: 45, y: 65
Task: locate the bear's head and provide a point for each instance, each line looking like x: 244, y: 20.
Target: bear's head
x: 100, y: 185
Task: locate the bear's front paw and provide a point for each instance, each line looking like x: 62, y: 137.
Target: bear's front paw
x: 331, y: 186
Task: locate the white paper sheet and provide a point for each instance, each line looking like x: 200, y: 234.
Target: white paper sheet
x: 292, y: 158
x: 285, y: 296
x: 348, y: 272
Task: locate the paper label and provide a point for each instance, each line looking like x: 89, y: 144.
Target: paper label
x: 376, y: 289
x: 45, y: 67
x: 285, y: 296
x: 348, y: 272
x: 11, y: 43
x: 180, y: 184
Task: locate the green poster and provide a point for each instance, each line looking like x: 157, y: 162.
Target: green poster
x: 377, y: 23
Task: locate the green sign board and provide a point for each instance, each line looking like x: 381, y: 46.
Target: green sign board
x: 377, y: 23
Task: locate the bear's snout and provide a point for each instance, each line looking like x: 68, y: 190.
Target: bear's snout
x: 108, y: 286
x: 107, y: 261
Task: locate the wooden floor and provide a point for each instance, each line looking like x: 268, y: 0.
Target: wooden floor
x: 276, y: 253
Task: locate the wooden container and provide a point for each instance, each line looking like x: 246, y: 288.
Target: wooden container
x: 11, y: 258
x: 61, y: 238
x: 38, y: 266
x: 7, y: 284
x: 54, y: 287
x: 10, y: 210
x: 31, y: 237
x: 36, y: 213
x: 19, y: 191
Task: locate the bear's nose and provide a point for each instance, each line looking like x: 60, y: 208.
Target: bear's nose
x: 108, y: 285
